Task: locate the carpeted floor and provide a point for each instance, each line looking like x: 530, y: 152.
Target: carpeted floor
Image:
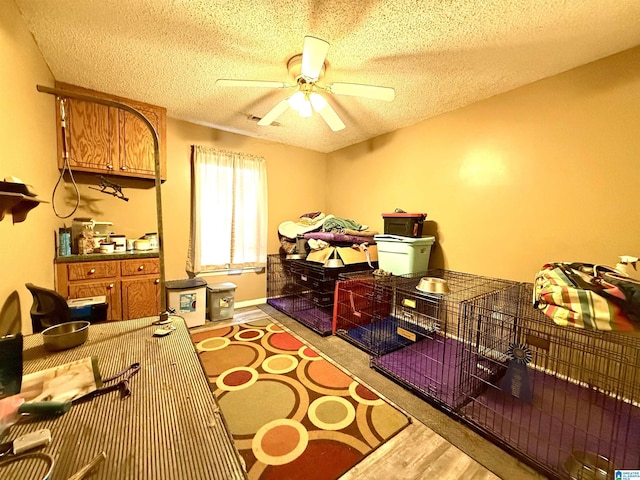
x: 292, y: 413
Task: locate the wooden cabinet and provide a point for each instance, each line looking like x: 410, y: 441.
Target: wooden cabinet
x: 140, y: 287
x: 140, y: 297
x: 110, y: 289
x: 132, y: 286
x: 109, y: 140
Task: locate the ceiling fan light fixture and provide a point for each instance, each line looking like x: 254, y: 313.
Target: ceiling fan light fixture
x: 317, y: 101
x: 307, y: 68
x: 305, y: 110
x: 297, y: 100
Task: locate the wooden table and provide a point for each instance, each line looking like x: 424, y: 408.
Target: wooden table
x: 169, y: 428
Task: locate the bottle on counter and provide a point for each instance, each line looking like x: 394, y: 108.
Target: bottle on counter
x: 64, y: 241
x: 85, y: 242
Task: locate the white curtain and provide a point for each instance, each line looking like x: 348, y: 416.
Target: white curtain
x: 228, y: 211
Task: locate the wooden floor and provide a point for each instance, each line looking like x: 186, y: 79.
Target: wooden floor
x: 417, y: 452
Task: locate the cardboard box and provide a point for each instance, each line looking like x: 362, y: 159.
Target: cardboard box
x: 348, y: 255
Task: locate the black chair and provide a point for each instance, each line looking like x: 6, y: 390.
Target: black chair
x: 49, y: 308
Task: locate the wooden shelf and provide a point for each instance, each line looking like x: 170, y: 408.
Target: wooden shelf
x: 18, y: 204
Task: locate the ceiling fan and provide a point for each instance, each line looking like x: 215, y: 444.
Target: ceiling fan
x: 307, y: 69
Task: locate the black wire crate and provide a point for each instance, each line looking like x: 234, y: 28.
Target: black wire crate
x: 319, y: 277
x: 563, y: 399
x: 280, y: 282
x: 430, y: 364
x: 362, y: 313
x: 305, y: 290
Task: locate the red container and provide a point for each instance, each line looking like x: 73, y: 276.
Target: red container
x: 404, y: 224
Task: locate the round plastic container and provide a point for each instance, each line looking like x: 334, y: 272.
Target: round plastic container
x: 120, y: 243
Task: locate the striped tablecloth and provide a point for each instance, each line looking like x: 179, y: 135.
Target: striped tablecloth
x: 169, y: 428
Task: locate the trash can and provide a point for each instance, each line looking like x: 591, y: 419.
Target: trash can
x: 187, y: 298
x: 220, y: 298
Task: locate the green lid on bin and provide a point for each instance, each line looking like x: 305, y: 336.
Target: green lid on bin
x: 185, y: 284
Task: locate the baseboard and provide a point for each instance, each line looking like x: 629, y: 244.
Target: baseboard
x: 250, y: 303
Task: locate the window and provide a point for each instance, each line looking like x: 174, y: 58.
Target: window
x: 228, y: 211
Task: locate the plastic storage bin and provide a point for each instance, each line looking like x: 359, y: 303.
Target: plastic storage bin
x: 220, y: 300
x: 187, y: 298
x: 404, y: 224
x: 90, y: 309
x: 401, y: 255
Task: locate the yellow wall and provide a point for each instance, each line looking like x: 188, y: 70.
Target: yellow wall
x: 28, y: 141
x: 27, y: 134
x: 547, y: 172
x: 291, y: 193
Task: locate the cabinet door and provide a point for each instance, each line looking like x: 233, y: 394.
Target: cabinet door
x: 112, y: 140
x: 136, y: 149
x: 109, y: 289
x: 90, y: 128
x: 140, y: 297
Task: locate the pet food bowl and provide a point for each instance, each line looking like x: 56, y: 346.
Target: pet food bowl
x: 65, y: 335
x: 587, y: 466
x: 433, y: 285
x: 334, y: 263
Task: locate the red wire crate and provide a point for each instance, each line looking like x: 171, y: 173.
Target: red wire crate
x: 362, y: 313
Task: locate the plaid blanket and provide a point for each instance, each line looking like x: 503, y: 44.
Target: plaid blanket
x: 588, y: 296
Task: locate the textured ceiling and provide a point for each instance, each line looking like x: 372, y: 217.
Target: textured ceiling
x: 438, y: 55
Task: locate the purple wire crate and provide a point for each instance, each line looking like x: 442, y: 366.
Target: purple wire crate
x: 430, y: 363
x: 563, y: 399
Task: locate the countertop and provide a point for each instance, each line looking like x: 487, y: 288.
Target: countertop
x: 96, y: 257
x: 169, y: 428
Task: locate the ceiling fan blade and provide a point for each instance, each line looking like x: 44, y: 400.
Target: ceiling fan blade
x: 274, y: 113
x: 331, y: 117
x: 225, y: 82
x: 314, y: 53
x: 358, y: 90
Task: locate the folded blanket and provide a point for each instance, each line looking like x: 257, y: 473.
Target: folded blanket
x: 588, y: 296
x: 360, y: 233
x: 340, y: 238
x: 340, y: 224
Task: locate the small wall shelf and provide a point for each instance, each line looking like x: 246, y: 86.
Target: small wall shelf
x: 17, y: 199
x: 17, y: 204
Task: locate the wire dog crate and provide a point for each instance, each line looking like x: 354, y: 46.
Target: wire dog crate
x: 304, y: 290
x: 563, y: 399
x: 362, y: 313
x: 431, y: 363
x: 281, y: 286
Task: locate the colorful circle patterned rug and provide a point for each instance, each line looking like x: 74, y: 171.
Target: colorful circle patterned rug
x: 292, y: 413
